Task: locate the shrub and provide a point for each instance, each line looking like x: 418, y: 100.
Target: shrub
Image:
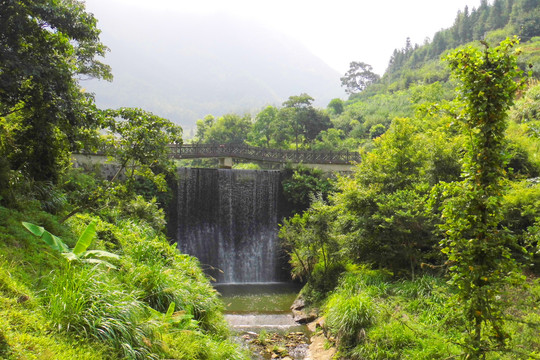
x: 321, y: 282
x: 349, y: 316
x: 386, y: 341
x: 87, y: 302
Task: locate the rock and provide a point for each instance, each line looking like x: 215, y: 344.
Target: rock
x: 312, y: 326
x: 302, y: 317
x: 298, y: 304
x: 318, y: 350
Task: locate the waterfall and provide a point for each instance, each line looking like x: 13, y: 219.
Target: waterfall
x: 228, y: 219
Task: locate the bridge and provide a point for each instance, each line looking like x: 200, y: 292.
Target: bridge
x: 324, y: 160
x: 327, y: 160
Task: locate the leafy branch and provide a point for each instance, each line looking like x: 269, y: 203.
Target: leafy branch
x: 79, y: 252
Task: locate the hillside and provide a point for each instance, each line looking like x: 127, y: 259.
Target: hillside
x: 184, y: 67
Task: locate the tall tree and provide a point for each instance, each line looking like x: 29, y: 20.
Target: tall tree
x: 45, y: 46
x: 229, y: 129
x: 478, y: 250
x: 359, y: 76
x: 138, y: 141
x: 298, y: 106
x: 264, y: 126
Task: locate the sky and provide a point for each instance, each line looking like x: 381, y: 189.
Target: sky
x: 337, y: 31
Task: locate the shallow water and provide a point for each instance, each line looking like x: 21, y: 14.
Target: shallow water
x: 258, y: 298
x: 252, y: 307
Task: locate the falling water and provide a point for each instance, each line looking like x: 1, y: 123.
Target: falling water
x: 228, y: 219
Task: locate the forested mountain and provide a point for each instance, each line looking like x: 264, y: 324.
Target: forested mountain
x: 184, y: 67
x: 416, y: 76
x: 490, y: 22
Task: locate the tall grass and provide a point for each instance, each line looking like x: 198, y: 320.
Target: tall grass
x: 86, y: 301
x: 163, y: 276
x: 348, y: 316
x: 376, y: 317
x: 53, y: 309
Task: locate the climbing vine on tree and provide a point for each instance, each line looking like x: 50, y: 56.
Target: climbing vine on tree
x: 478, y: 249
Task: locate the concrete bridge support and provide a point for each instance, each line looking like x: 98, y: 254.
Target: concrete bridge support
x: 225, y: 163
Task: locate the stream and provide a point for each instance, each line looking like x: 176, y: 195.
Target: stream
x: 260, y: 316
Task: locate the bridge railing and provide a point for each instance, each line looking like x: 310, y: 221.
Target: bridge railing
x: 262, y: 154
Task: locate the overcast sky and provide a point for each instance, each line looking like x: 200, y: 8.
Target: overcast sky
x: 337, y: 31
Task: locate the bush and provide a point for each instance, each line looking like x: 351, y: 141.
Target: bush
x: 348, y: 316
x: 163, y: 276
x: 321, y: 282
x: 87, y: 302
x: 386, y: 342
x: 144, y: 210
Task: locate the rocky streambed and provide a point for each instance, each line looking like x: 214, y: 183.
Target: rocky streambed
x: 272, y: 323
x: 288, y: 346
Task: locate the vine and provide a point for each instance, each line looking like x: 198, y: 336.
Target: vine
x: 478, y: 249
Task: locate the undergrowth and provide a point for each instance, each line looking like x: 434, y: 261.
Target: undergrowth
x: 54, y: 309
x: 371, y: 316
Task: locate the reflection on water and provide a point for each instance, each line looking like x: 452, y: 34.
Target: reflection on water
x: 251, y: 307
x: 258, y: 298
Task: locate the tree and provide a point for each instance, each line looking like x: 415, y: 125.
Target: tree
x: 203, y: 125
x: 45, y: 46
x: 381, y: 210
x: 309, y: 241
x: 298, y: 106
x: 138, y: 141
x: 307, y: 122
x: 336, y: 106
x: 359, y: 76
x: 302, y: 185
x: 478, y: 249
x: 264, y: 126
x: 313, y: 123
x: 229, y: 129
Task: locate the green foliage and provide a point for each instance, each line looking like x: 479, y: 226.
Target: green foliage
x: 138, y: 141
x: 247, y: 166
x: 229, y: 129
x: 45, y: 47
x: 336, y: 106
x: 306, y: 122
x: 144, y: 210
x: 321, y: 281
x: 478, y: 251
x: 86, y: 312
x: 490, y: 22
x: 527, y: 109
x: 307, y: 237
x: 359, y: 76
x: 265, y: 127
x: 302, y: 184
x: 87, y: 301
x: 349, y: 315
x: 79, y: 252
x: 521, y: 209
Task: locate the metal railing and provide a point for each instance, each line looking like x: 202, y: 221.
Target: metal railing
x: 262, y: 154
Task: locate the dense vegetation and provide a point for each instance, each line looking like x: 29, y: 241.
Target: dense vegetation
x: 86, y: 271
x: 448, y: 189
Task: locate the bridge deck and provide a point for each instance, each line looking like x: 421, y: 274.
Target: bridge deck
x: 262, y: 154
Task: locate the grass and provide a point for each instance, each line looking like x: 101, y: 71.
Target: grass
x: 373, y: 317
x: 53, y: 309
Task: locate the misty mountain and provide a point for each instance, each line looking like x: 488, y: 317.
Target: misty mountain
x: 183, y: 67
